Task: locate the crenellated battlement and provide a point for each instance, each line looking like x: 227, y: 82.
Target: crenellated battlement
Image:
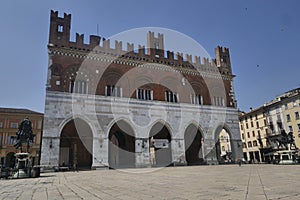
x: 154, y: 52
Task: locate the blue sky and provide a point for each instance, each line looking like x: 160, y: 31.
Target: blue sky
x: 263, y: 38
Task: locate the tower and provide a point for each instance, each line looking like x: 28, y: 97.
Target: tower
x: 155, y: 44
x: 59, y: 28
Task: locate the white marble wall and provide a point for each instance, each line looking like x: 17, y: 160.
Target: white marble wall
x: 141, y: 116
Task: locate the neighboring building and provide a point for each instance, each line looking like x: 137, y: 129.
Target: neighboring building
x: 290, y: 107
x: 263, y: 127
x: 110, y: 107
x: 10, y: 118
x: 225, y: 146
x: 254, y: 131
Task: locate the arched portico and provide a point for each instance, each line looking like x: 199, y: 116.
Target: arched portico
x: 76, y: 144
x: 193, y: 141
x: 121, y: 148
x: 223, y: 144
x: 160, y: 145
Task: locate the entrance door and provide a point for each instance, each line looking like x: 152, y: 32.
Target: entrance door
x: 64, y: 155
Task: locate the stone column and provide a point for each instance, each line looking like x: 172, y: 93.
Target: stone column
x: 236, y: 149
x: 142, y: 156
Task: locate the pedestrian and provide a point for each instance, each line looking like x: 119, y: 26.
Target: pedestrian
x: 240, y: 162
x: 75, y: 166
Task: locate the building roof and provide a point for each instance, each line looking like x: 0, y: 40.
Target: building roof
x: 19, y: 111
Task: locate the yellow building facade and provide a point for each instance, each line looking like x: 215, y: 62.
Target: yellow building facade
x: 291, y: 115
x: 262, y: 127
x: 254, y: 133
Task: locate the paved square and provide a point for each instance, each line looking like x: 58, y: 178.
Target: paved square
x: 199, y: 182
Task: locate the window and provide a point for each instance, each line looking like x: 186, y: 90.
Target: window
x: 171, y: 96
x: 247, y: 126
x: 249, y: 144
x: 258, y: 134
x: 297, y: 115
x: 278, y: 118
x: 60, y: 28
x: 196, y: 99
x: 279, y: 123
x: 265, y: 122
x: 242, y: 128
x: 80, y: 87
x: 288, y: 118
x: 244, y: 145
x: 0, y: 140
x: 295, y: 103
x: 11, y: 140
x: 271, y: 126
x: 267, y: 132
x: 248, y: 134
x: 253, y: 133
x: 256, y: 116
x: 255, y: 143
x: 290, y: 129
x: 219, y: 101
x: 14, y: 125
x: 144, y: 94
x: 115, y: 91
x: 286, y: 106
x: 257, y: 124
x: 223, y: 148
x: 252, y: 124
x: 243, y: 136
x: 298, y: 127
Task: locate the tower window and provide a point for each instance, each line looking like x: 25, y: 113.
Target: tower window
x: 60, y: 28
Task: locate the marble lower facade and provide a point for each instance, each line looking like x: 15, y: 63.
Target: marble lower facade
x: 98, y: 131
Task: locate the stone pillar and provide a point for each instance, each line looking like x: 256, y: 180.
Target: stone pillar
x: 178, y: 151
x: 98, y: 161
x: 50, y: 151
x: 236, y: 149
x: 210, y: 152
x: 142, y: 156
x: 103, y: 154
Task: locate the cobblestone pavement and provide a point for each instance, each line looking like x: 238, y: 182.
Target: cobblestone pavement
x: 199, y: 182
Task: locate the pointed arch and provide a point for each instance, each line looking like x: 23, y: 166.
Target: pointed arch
x: 160, y: 137
x: 76, y: 143
x: 193, y: 142
x: 223, y: 144
x: 121, y: 144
